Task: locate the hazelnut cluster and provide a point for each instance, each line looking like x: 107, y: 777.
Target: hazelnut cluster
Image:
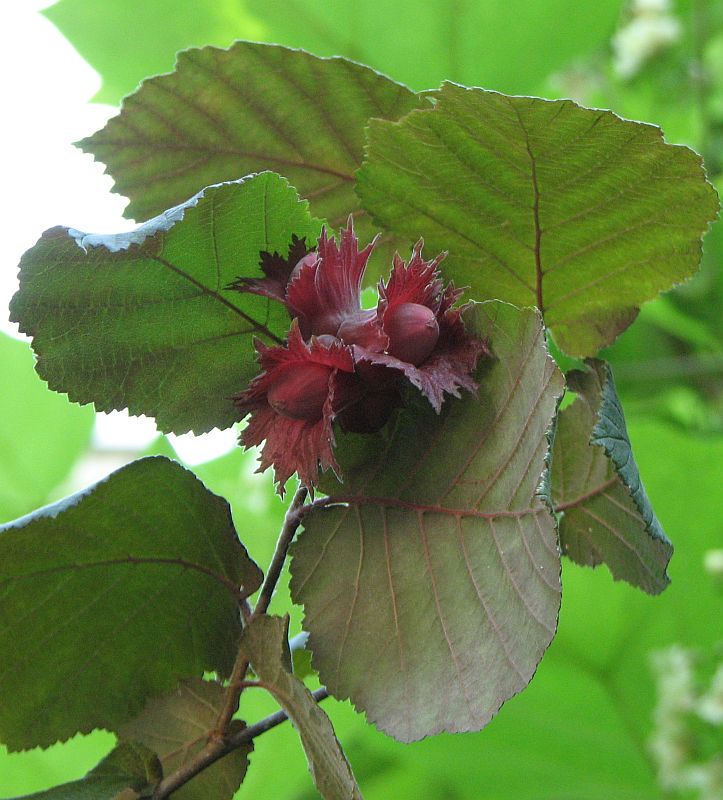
x: 343, y: 363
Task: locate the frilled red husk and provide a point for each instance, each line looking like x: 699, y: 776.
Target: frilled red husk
x: 428, y: 342
x: 293, y: 405
x: 356, y: 361
x: 325, y: 295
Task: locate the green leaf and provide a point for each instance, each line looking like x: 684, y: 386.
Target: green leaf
x: 419, y: 43
x: 41, y: 434
x: 425, y: 43
x: 176, y: 726
x: 301, y: 656
x: 223, y: 113
x: 265, y: 642
x: 129, y: 766
x: 100, y: 597
x: 543, y: 202
x: 142, y: 320
x: 430, y: 579
x: 606, y: 515
x: 152, y: 34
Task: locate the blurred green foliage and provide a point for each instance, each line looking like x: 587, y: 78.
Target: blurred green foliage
x: 581, y: 730
x: 41, y: 434
x: 510, y: 46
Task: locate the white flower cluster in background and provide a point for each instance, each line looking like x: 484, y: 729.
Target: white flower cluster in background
x: 651, y: 28
x: 713, y: 563
x: 688, y: 716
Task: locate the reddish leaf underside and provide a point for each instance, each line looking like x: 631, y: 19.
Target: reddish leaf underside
x: 430, y: 579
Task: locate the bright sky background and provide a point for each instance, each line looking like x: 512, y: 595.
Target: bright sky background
x: 46, y: 181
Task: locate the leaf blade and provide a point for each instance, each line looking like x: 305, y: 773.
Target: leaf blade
x: 477, y: 40
x: 607, y: 517
x: 543, y: 202
x: 255, y: 106
x: 142, y: 320
x: 36, y: 457
x: 445, y: 562
x: 176, y: 726
x: 128, y: 766
x: 82, y: 581
x: 265, y: 641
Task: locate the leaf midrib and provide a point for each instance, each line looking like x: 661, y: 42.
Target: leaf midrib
x: 580, y: 499
x: 210, y: 151
x: 537, y: 248
x: 394, y: 502
x: 130, y: 560
x: 261, y: 328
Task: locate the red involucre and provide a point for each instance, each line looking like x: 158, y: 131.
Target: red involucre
x: 295, y: 430
x: 346, y: 363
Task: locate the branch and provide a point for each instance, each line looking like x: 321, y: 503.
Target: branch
x: 291, y: 523
x: 240, y: 668
x: 266, y: 724
x: 218, y: 748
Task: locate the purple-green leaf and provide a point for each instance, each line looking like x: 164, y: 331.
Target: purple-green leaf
x: 177, y: 726
x: 224, y: 113
x: 606, y: 515
x: 545, y: 203
x: 144, y: 320
x: 430, y: 578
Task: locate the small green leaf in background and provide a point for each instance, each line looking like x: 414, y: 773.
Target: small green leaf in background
x: 97, y: 615
x: 176, y: 726
x: 129, y: 766
x: 606, y: 515
x: 265, y: 642
x: 141, y: 320
x: 542, y: 203
x: 431, y: 586
x: 41, y: 435
x: 224, y: 113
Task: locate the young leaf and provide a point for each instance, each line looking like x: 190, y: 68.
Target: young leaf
x: 430, y: 579
x: 606, y: 515
x: 265, y: 642
x: 142, y: 320
x: 108, y: 597
x: 543, y: 202
x: 176, y: 726
x: 223, y: 113
x: 129, y: 766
